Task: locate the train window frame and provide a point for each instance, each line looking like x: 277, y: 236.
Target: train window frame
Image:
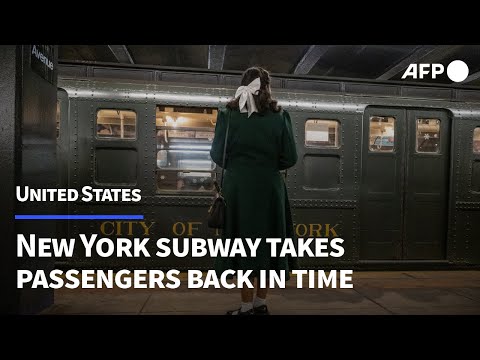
x: 338, y: 134
x: 475, y: 130
x: 112, y: 138
x: 394, y: 146
x: 192, y: 180
x: 439, y: 145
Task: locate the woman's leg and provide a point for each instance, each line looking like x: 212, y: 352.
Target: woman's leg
x: 247, y: 302
x: 260, y: 301
x: 261, y: 293
x: 247, y: 294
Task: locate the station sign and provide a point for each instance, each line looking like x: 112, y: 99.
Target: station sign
x: 41, y: 61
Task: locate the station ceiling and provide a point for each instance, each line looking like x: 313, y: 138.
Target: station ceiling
x: 381, y: 62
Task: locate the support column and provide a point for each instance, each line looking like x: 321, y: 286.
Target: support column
x: 28, y: 101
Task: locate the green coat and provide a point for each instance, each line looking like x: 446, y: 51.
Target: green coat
x: 254, y: 189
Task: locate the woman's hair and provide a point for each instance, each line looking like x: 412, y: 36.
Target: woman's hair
x: 263, y: 100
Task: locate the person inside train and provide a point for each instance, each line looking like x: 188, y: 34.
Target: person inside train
x: 260, y: 143
x: 116, y: 131
x: 104, y: 129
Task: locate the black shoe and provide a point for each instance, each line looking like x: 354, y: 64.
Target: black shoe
x: 248, y: 312
x: 261, y: 310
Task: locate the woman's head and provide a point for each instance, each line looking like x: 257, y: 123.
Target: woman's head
x: 263, y: 100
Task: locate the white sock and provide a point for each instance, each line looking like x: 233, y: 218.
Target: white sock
x: 259, y: 301
x: 244, y: 307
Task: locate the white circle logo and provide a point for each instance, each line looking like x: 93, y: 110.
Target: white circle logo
x: 457, y: 71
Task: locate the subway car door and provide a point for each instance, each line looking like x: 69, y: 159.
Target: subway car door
x: 381, y: 204
x: 404, y: 195
x: 426, y: 186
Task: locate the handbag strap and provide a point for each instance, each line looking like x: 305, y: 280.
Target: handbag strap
x: 225, y: 146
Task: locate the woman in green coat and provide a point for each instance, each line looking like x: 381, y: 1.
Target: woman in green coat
x: 260, y: 144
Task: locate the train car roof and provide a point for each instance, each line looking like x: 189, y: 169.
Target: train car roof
x: 339, y: 96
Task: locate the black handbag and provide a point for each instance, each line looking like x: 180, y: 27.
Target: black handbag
x: 216, y: 212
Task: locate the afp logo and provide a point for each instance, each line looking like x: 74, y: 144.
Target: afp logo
x: 457, y: 71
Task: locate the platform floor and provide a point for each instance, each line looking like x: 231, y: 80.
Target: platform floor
x: 374, y: 293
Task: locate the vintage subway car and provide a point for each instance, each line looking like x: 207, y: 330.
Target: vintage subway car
x: 392, y: 168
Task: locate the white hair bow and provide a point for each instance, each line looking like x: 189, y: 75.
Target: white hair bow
x: 246, y: 102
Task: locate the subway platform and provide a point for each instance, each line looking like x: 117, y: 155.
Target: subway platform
x: 374, y: 293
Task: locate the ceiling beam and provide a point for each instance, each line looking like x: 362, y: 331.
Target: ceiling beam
x: 216, y: 56
x: 121, y: 53
x: 419, y: 53
x: 357, y: 52
x: 311, y: 57
x: 415, y: 56
x: 471, y: 77
x: 441, y: 52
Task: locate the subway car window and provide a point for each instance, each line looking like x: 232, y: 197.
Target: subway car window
x: 58, y: 118
x: 382, y: 134
x: 428, y: 136
x: 322, y: 133
x: 116, y: 124
x: 184, y: 140
x: 476, y: 140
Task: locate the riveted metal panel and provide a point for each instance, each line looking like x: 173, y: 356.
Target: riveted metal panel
x: 276, y: 82
x: 344, y: 154
x: 370, y: 89
x: 468, y: 95
x: 190, y: 78
x: 128, y: 74
x: 467, y: 205
x: 357, y: 173
x: 195, y: 201
x: 231, y: 80
x: 72, y: 70
x: 472, y: 241
x: 311, y: 85
x: 327, y: 204
x: 453, y: 253
x: 427, y: 93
